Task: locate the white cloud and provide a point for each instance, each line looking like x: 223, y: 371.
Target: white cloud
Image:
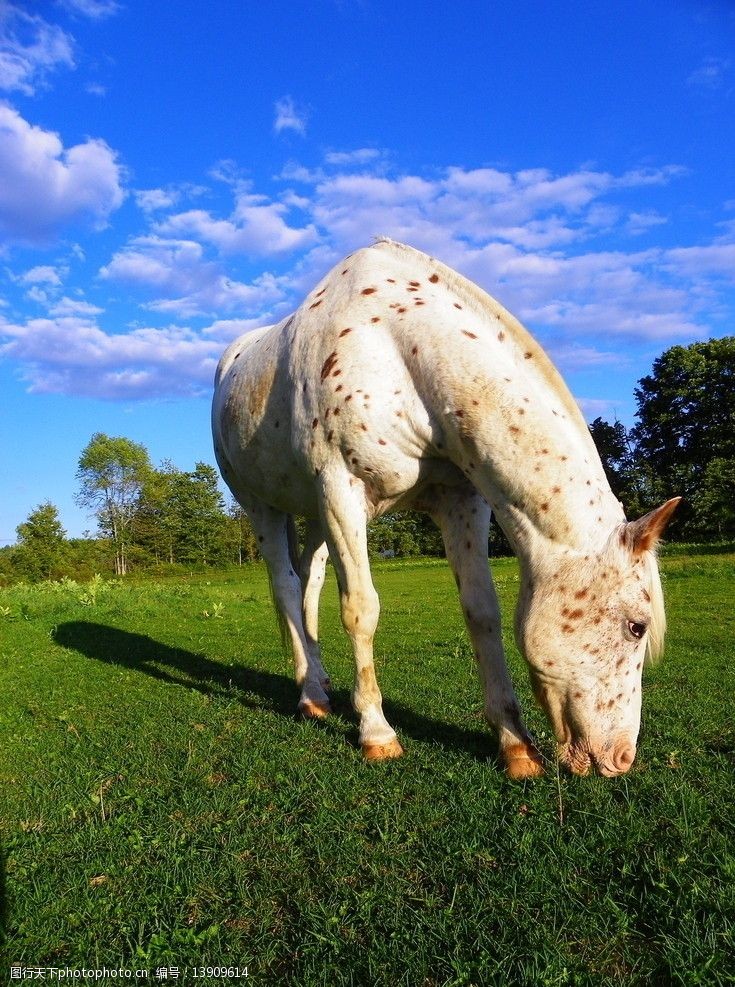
x: 292, y: 171
x: 43, y: 274
x: 37, y: 295
x: 597, y: 407
x: 572, y: 356
x: 533, y: 209
x: 716, y: 260
x: 346, y: 159
x: 45, y: 187
x: 94, y: 9
x: 30, y: 49
x: 227, y: 171
x: 641, y: 222
x: 74, y: 306
x: 72, y: 355
x: 184, y: 282
x: 613, y: 317
x: 164, y: 265
x: 256, y: 228
x: 288, y: 117
x: 153, y: 199
x: 225, y: 330
x: 710, y: 75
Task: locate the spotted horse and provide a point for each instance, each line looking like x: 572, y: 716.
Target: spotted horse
x: 400, y: 384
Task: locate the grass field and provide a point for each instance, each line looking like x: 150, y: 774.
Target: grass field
x: 162, y: 805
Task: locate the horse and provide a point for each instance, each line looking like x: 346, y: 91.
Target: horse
x: 400, y: 384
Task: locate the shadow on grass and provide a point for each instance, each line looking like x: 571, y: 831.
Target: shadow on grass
x: 252, y: 687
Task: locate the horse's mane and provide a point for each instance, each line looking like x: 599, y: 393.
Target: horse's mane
x: 657, y: 627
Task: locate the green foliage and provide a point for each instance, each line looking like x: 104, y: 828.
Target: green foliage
x: 161, y: 804
x: 243, y: 544
x: 180, y: 516
x: 686, y: 419
x: 683, y: 443
x: 629, y: 475
x: 713, y: 502
x: 40, y: 553
x: 413, y: 533
x: 401, y: 535
x: 111, y: 473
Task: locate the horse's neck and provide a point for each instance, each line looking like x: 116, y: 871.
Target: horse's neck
x: 515, y: 430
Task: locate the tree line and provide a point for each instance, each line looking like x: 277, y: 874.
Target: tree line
x: 152, y: 518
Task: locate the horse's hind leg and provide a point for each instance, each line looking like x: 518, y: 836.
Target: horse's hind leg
x: 271, y: 527
x: 345, y: 526
x: 311, y: 570
x: 464, y: 520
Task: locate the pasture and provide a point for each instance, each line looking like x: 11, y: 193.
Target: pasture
x: 163, y: 806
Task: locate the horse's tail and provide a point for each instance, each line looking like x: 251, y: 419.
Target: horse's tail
x: 293, y: 552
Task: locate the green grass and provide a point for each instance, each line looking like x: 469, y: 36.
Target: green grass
x: 162, y: 805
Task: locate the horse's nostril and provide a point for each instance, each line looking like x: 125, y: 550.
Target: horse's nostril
x: 623, y: 756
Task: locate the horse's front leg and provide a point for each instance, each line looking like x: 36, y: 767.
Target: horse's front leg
x: 345, y: 526
x: 464, y: 520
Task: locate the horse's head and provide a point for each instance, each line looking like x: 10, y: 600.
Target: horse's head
x: 585, y: 623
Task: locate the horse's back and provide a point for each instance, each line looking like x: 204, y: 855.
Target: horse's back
x: 334, y: 387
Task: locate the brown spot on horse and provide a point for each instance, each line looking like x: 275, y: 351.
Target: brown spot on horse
x: 329, y: 364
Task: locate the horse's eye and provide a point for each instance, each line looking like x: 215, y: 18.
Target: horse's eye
x: 637, y: 630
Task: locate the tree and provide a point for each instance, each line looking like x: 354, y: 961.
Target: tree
x: 41, y: 543
x: 629, y: 477
x: 686, y: 419
x: 394, y: 535
x: 156, y: 524
x: 713, y: 503
x: 112, y: 473
x: 202, y: 535
x: 180, y: 516
x: 244, y: 544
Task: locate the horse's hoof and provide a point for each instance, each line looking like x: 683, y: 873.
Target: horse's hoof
x: 522, y: 761
x: 312, y: 710
x: 381, y: 752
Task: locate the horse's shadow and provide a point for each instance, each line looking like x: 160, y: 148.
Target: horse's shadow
x: 252, y: 687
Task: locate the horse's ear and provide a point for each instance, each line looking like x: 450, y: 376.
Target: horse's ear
x: 642, y: 535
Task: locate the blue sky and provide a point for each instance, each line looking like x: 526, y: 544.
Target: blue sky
x: 173, y: 174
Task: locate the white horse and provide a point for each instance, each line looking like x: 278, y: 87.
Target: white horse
x: 400, y: 384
